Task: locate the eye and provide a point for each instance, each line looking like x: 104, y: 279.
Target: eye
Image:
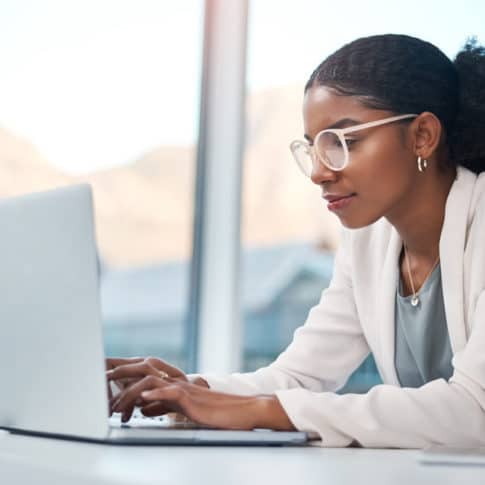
x: 332, y: 141
x: 350, y: 142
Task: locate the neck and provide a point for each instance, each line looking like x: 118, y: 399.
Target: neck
x: 420, y: 215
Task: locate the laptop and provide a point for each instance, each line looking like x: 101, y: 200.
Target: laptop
x: 51, y: 348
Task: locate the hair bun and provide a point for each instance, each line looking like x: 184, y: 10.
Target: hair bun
x: 467, y: 140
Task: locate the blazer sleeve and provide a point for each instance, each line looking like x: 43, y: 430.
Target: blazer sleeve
x: 440, y: 412
x: 324, y: 351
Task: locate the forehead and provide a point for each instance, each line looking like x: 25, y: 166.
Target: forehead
x: 322, y: 108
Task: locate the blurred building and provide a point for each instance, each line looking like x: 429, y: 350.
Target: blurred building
x: 144, y: 308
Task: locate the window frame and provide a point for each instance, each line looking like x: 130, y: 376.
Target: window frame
x: 214, y: 323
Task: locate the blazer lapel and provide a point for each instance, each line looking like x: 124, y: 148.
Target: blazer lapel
x: 385, y: 302
x: 452, y: 248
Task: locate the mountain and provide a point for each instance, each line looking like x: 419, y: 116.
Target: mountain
x: 144, y: 210
x: 279, y: 202
x: 23, y: 169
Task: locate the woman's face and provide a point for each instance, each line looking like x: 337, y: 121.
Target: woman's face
x: 381, y: 173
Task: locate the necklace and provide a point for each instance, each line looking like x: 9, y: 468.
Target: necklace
x: 415, y: 299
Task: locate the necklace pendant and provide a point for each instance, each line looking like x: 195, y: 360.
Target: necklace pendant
x: 415, y: 300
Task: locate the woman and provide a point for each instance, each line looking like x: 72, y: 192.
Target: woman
x: 399, y: 167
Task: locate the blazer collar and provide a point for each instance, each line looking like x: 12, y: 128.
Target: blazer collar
x: 452, y: 247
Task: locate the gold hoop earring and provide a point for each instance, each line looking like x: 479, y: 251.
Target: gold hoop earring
x: 422, y: 164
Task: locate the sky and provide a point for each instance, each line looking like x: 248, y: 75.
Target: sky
x: 98, y: 83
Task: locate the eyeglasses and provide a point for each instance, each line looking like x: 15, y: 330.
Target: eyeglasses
x: 330, y: 146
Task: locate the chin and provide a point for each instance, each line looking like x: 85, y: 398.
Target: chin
x: 358, y: 222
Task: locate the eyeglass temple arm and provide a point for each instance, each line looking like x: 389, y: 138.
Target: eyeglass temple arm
x: 371, y: 124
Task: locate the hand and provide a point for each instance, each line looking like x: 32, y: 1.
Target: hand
x: 139, y: 367
x: 122, y: 383
x: 124, y: 372
x: 158, y: 395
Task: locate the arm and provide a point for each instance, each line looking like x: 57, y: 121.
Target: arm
x: 157, y: 395
x: 324, y: 351
x: 439, y: 412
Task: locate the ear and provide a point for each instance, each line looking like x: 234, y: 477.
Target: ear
x: 427, y: 130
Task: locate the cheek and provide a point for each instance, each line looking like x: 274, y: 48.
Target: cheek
x: 380, y: 167
x: 378, y: 173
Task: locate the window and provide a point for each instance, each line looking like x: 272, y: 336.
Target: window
x: 289, y: 238
x: 107, y: 92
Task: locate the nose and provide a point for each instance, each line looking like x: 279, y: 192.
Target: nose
x: 321, y: 173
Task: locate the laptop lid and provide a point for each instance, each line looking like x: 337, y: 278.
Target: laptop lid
x: 51, y: 349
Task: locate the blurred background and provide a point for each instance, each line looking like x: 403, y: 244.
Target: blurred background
x: 109, y: 92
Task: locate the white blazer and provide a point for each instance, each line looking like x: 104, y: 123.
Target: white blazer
x: 356, y: 315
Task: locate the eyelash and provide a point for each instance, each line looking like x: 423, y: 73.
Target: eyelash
x: 350, y: 142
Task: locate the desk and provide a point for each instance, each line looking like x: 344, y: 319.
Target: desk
x: 27, y: 460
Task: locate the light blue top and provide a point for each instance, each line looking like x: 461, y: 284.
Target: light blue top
x: 423, y: 350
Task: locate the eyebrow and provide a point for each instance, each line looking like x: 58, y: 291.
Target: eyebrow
x: 344, y: 122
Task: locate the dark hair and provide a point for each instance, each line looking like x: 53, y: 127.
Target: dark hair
x: 404, y: 74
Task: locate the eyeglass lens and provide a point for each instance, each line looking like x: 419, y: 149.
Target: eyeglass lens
x: 328, y: 148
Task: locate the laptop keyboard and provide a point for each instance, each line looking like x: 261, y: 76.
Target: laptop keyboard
x: 138, y: 420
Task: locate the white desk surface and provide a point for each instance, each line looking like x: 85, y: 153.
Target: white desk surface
x: 28, y: 460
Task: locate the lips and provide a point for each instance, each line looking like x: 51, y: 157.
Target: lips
x: 338, y: 202
x: 335, y: 197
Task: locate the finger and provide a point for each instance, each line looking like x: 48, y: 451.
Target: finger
x: 170, y: 393
x: 119, y: 386
x: 172, y: 397
x: 140, y: 369
x: 116, y: 403
x: 114, y: 400
x: 110, y: 392
x: 129, y: 396
x: 118, y: 372
x: 127, y: 413
x: 110, y: 396
x: 165, y: 367
x: 112, y: 404
x: 174, y: 390
x: 202, y: 406
x: 123, y: 383
x: 154, y: 409
x: 112, y: 362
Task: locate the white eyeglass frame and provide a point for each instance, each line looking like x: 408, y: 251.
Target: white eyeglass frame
x: 340, y: 133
